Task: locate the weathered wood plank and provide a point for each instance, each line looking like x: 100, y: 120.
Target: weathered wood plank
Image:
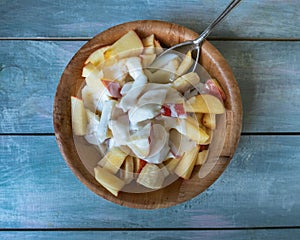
x: 252, y: 19
x: 267, y: 73
x: 281, y: 234
x: 259, y: 188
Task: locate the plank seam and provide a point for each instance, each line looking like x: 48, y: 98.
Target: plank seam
x: 150, y: 229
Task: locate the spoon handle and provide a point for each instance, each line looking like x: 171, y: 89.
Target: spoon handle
x: 211, y: 26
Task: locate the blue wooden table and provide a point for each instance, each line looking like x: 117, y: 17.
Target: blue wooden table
x: 258, y: 195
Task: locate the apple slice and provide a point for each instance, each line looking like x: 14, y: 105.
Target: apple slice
x: 215, y: 89
x: 128, y: 45
x: 171, y: 164
x: 139, y: 141
x: 165, y: 74
x: 209, y: 120
x: 202, y: 157
x: 185, y: 65
x: 115, y: 70
x: 147, y: 60
x: 205, y: 103
x: 97, y: 57
x: 139, y: 164
x: 173, y: 110
x: 151, y: 176
x: 108, y: 180
x: 186, y: 164
x: 89, y: 68
x: 186, y: 81
x: 149, y: 47
x: 135, y: 70
x: 113, y: 87
x: 158, y: 47
x: 108, y: 108
x: 79, y: 117
x: 126, y: 171
x: 191, y: 129
x: 113, y: 160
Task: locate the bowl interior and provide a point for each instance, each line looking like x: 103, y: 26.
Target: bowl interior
x: 225, y: 138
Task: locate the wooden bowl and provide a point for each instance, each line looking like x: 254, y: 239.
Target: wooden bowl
x: 226, y: 138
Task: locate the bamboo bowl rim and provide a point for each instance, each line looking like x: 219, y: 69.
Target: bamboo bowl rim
x: 168, y: 34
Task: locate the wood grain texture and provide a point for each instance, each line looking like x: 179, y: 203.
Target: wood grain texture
x: 74, y: 18
x: 267, y: 74
x: 282, y: 234
x: 260, y: 188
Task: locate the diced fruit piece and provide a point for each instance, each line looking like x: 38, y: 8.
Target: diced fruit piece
x: 166, y: 73
x: 126, y: 172
x: 135, y: 70
x: 139, y: 164
x: 171, y: 164
x: 108, y: 108
x: 141, y: 113
x: 202, y: 156
x: 108, y: 180
x: 113, y: 160
x: 164, y: 169
x: 97, y: 57
x: 173, y: 110
x: 209, y: 120
x: 147, y: 60
x: 185, y: 65
x: 204, y: 103
x: 186, y: 81
x: 148, y: 43
x: 139, y: 141
x: 190, y: 128
x: 158, y: 47
x: 151, y: 176
x: 186, y: 164
x: 89, y: 68
x: 93, y: 80
x: 215, y: 89
x: 162, y: 61
x: 179, y: 143
x: 113, y: 88
x: 115, y: 70
x: 127, y: 46
x: 79, y: 117
x: 159, y: 147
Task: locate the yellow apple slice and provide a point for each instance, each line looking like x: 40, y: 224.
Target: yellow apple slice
x: 151, y: 176
x: 127, y: 169
x: 186, y: 81
x: 97, y: 57
x: 87, y: 69
x: 202, y: 156
x: 165, y: 74
x: 158, y: 47
x: 128, y: 45
x: 209, y: 120
x: 190, y: 128
x: 108, y: 180
x: 186, y: 164
x: 79, y: 117
x: 171, y: 164
x: 148, y: 43
x: 147, y: 60
x: 113, y: 160
x: 205, y: 103
x: 185, y: 65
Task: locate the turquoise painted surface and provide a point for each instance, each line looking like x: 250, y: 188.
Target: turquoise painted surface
x: 258, y: 194
x: 260, y: 188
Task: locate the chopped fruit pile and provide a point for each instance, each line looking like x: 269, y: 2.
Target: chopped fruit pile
x: 134, y: 108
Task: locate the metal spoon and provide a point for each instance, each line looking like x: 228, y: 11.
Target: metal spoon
x: 195, y: 44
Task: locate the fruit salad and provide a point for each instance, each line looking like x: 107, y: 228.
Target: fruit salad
x: 149, y: 117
